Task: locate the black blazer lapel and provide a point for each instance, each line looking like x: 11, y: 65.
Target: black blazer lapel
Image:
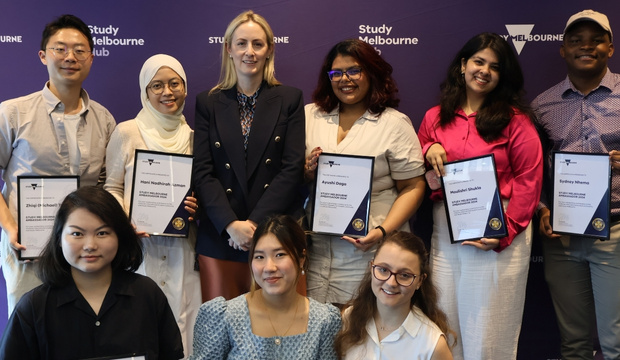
x: 266, y: 116
x: 229, y: 127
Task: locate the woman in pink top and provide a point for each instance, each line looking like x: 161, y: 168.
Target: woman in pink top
x: 482, y: 112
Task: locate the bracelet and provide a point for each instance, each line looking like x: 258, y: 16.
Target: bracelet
x: 382, y: 230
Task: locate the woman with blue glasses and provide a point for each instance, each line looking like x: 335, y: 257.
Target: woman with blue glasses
x: 353, y: 113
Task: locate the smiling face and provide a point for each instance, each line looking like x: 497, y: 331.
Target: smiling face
x: 68, y: 71
x: 586, y: 49
x: 249, y: 50
x: 168, y: 102
x: 349, y: 92
x: 88, y: 244
x: 398, y: 260
x: 273, y: 268
x: 481, y: 73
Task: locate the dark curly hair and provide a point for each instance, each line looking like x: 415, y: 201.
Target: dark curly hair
x: 382, y: 92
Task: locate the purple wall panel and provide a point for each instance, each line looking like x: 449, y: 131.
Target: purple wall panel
x: 190, y: 31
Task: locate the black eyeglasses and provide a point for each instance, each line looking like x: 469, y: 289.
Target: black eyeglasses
x: 352, y: 74
x: 383, y: 274
x: 157, y: 87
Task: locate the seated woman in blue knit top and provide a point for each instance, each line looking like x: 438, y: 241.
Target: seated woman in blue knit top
x: 274, y: 322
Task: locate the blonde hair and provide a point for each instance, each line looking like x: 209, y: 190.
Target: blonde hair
x: 228, y: 75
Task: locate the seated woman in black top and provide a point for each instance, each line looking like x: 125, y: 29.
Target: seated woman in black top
x: 91, y: 303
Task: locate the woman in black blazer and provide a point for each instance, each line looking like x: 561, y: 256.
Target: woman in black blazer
x: 249, y: 154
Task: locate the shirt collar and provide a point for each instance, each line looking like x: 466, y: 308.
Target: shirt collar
x: 411, y: 326
x: 52, y: 102
x: 246, y: 100
x: 607, y: 82
x: 367, y: 115
x: 461, y: 113
x: 412, y: 323
x: 70, y: 293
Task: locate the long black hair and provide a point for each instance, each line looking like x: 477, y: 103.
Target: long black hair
x: 500, y: 104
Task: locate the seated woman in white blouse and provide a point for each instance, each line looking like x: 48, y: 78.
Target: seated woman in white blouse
x: 395, y: 311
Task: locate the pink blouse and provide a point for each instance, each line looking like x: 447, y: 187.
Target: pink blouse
x: 518, y: 159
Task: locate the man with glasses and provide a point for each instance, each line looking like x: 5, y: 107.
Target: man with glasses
x: 581, y: 114
x: 55, y: 131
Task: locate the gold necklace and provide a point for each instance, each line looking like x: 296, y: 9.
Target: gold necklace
x: 385, y: 327
x: 278, y: 341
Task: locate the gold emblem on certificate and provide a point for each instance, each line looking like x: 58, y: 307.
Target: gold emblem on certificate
x: 472, y: 199
x: 341, y: 196
x: 358, y: 224
x: 598, y: 224
x: 495, y: 224
x: 581, y: 194
x: 178, y: 223
x: 161, y: 182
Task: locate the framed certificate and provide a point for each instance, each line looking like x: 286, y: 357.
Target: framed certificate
x: 471, y: 195
x: 341, y: 201
x: 581, y: 194
x: 38, y: 200
x: 161, y: 182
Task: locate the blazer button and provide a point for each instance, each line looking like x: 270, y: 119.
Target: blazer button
x: 277, y: 139
x: 268, y: 161
x: 227, y: 166
x: 228, y: 191
x: 217, y: 144
x: 266, y: 186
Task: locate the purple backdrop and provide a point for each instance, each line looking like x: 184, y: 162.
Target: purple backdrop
x: 419, y: 38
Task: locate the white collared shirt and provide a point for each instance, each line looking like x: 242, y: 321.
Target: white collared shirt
x: 415, y: 339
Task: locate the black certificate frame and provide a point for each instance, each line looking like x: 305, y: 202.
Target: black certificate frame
x: 495, y: 225
x: 357, y: 226
x: 599, y: 226
x: 178, y: 225
x: 55, y: 202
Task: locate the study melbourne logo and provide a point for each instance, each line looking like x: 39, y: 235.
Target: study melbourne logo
x: 520, y: 34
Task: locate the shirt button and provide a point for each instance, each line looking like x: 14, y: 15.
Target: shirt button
x: 163, y: 257
x: 97, y: 323
x: 227, y: 166
x: 228, y: 191
x: 277, y: 139
x: 266, y: 186
x: 268, y: 161
x: 162, y: 283
x: 217, y: 144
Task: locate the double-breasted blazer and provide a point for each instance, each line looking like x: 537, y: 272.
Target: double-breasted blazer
x: 234, y: 184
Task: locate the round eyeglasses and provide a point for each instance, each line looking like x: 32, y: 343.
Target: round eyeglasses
x: 157, y: 87
x: 383, y: 274
x: 352, y: 74
x: 61, y: 52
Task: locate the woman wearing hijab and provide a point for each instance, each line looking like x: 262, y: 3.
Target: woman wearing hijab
x: 160, y: 126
